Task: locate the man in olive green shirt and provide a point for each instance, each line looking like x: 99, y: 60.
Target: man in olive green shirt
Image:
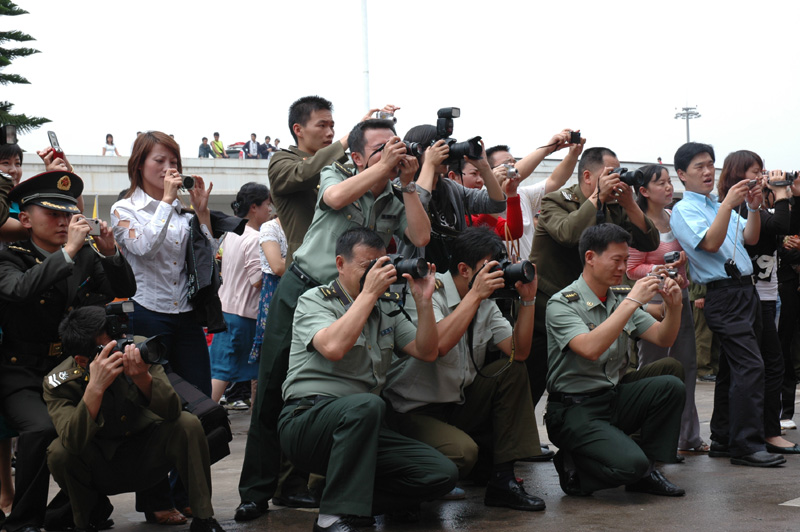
x: 598, y: 197
x: 343, y: 340
x: 591, y: 407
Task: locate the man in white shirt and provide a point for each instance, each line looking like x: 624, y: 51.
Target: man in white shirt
x: 251, y: 148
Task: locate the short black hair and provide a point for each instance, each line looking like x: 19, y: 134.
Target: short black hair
x: 592, y: 158
x: 250, y: 194
x: 7, y: 151
x: 80, y: 329
x: 598, y: 237
x: 494, y: 149
x: 300, y: 111
x: 355, y: 140
x: 689, y: 151
x: 474, y: 244
x: 216, y: 134
x: 355, y: 236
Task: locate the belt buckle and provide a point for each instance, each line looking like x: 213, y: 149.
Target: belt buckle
x: 55, y: 350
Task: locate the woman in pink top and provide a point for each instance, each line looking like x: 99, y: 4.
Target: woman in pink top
x: 653, y: 197
x: 239, y: 293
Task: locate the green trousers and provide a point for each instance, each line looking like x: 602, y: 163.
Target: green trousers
x: 137, y: 464
x: 596, y: 430
x: 368, y: 468
x: 707, y: 345
x: 497, y: 414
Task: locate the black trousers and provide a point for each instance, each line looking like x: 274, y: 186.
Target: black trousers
x: 773, y: 369
x: 734, y: 313
x: 788, y: 328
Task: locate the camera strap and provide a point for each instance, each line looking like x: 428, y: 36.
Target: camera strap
x: 506, y: 366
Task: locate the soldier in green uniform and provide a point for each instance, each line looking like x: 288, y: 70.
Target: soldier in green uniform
x: 119, y: 434
x: 591, y: 407
x: 344, y: 200
x: 343, y: 340
x: 459, y: 400
x: 598, y: 197
x: 41, y: 280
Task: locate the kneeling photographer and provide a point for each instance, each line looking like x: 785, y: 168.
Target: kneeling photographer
x: 459, y: 405
x: 119, y: 423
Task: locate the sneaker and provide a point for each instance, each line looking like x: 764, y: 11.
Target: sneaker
x: 788, y: 424
x: 237, y: 405
x: 223, y: 400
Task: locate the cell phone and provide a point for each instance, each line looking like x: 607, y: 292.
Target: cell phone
x: 94, y: 226
x: 57, y: 151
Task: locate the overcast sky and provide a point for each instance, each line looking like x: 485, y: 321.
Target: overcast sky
x: 519, y: 71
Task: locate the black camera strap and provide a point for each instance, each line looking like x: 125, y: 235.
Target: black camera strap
x: 506, y: 366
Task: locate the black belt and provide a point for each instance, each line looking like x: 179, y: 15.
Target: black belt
x: 298, y: 271
x: 310, y: 400
x: 575, y: 398
x: 746, y: 280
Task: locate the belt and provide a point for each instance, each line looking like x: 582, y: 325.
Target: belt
x: 575, y: 398
x: 746, y: 280
x: 310, y: 400
x: 298, y: 271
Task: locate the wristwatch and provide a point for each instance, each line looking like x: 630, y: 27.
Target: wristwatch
x: 411, y: 187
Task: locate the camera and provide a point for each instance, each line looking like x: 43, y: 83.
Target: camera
x: 751, y: 183
x: 152, y: 350
x: 672, y: 256
x: 416, y: 268
x: 94, y: 226
x: 187, y: 182
x: 513, y: 272
x: 8, y: 134
x: 444, y: 128
x: 413, y: 148
x: 660, y: 279
x: 632, y: 179
x: 789, y: 179
x: 385, y: 115
x: 574, y: 137
x: 511, y: 171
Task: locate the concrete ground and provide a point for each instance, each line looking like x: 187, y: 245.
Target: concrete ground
x: 719, y: 496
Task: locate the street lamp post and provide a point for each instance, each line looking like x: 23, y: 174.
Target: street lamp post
x: 687, y: 113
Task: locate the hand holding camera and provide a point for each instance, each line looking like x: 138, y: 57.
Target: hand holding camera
x: 133, y: 366
x: 610, y: 186
x: 387, y: 113
x: 393, y: 151
x: 172, y: 182
x: 408, y: 169
x: 437, y: 154
x: 380, y: 275
x: 487, y: 280
x: 103, y: 236
x: 105, y: 368
x: 648, y: 286
x: 738, y: 192
x: 671, y: 293
x: 422, y: 288
x: 199, y: 194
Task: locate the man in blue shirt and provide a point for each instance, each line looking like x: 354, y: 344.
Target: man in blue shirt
x: 713, y: 237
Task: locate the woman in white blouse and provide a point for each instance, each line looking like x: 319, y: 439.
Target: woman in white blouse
x: 152, y: 230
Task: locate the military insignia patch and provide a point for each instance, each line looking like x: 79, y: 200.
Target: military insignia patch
x: 327, y: 293
x: 64, y: 183
x: 572, y: 297
x: 387, y: 331
x: 591, y: 326
x: 343, y: 169
x: 56, y: 379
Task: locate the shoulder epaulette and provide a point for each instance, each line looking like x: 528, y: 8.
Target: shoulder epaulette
x: 391, y: 296
x: 17, y: 248
x: 621, y: 289
x: 327, y: 293
x: 571, y: 296
x: 344, y: 169
x: 438, y: 285
x: 56, y: 379
x: 568, y: 195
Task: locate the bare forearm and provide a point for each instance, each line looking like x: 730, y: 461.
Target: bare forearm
x: 427, y: 339
x: 452, y: 328
x: 492, y: 186
x: 530, y: 162
x: 752, y: 229
x: 593, y: 344
x: 342, y: 194
x: 419, y: 225
x: 716, y: 233
x: 523, y: 333
x: 337, y: 339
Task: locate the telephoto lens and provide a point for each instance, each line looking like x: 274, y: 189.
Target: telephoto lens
x: 416, y: 268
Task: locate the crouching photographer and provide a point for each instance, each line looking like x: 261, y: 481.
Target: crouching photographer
x: 119, y: 423
x: 459, y: 405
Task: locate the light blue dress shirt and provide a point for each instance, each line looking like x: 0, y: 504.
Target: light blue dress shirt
x: 691, y: 218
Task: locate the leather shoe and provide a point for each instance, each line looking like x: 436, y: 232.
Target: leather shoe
x: 656, y: 484
x: 512, y: 496
x: 301, y: 499
x: 208, y: 524
x: 794, y: 449
x: 546, y: 455
x: 759, y: 459
x: 249, y: 510
x: 567, y: 475
x: 718, y: 450
x: 342, y: 525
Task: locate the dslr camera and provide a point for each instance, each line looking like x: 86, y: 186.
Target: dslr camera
x: 630, y: 178
x: 152, y: 350
x: 521, y: 271
x: 416, y: 268
x: 444, y: 129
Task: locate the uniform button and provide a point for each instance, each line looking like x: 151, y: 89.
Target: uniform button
x: 177, y: 242
x: 175, y: 303
x: 372, y: 227
x: 42, y: 301
x: 13, y: 360
x: 87, y: 294
x: 123, y: 418
x: 128, y: 434
x: 174, y: 263
x: 349, y: 216
x: 174, y: 282
x: 69, y: 309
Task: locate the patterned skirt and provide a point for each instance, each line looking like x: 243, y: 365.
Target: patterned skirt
x: 269, y: 282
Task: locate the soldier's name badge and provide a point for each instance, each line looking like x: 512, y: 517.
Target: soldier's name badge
x: 56, y: 379
x: 387, y: 331
x: 591, y: 326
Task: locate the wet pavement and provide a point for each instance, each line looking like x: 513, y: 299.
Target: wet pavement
x: 719, y: 496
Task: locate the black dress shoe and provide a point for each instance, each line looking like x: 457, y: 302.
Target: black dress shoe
x: 342, y: 525
x: 567, y: 475
x: 512, y: 496
x: 546, y: 455
x: 708, y: 378
x: 794, y: 449
x: 718, y: 450
x: 209, y: 524
x: 28, y: 528
x: 679, y: 459
x: 759, y: 459
x: 656, y: 484
x: 249, y: 510
x: 302, y: 499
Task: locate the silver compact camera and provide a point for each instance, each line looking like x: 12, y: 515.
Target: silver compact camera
x: 511, y: 172
x: 187, y: 182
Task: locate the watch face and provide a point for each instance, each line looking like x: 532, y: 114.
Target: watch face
x: 411, y: 187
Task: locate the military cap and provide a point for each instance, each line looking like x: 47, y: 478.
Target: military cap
x: 56, y: 190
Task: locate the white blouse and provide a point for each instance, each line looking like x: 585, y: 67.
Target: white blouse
x: 155, y: 246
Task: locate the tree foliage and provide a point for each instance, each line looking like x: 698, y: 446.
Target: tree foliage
x: 8, y: 53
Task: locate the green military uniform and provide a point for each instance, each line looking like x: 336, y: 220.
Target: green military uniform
x: 592, y: 408
x: 37, y: 289
x: 131, y: 445
x: 447, y: 403
x: 333, y: 420
x: 564, y: 216
x: 707, y: 342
